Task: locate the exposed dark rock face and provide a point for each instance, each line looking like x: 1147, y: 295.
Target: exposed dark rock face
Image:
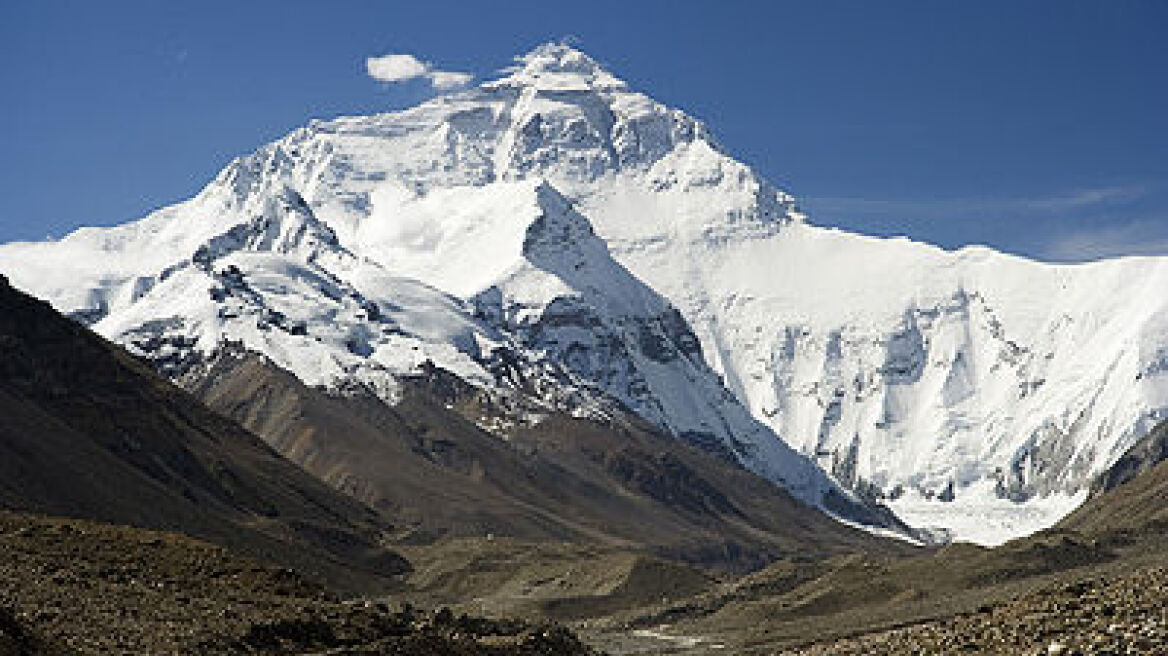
x: 1128, y: 501
x: 1145, y: 455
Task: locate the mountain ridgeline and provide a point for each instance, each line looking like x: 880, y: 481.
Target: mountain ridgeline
x: 567, y: 246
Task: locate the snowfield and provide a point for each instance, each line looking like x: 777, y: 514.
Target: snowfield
x: 608, y: 245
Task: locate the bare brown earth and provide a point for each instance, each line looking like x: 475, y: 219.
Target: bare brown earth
x: 561, y: 581
x: 1127, y: 614
x: 79, y: 587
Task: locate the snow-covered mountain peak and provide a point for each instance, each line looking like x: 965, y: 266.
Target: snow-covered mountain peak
x: 560, y: 214
x: 280, y: 222
x: 642, y: 172
x: 557, y: 67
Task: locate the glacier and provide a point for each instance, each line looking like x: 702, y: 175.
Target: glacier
x: 596, y: 244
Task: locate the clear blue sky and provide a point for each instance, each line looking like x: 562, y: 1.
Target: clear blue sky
x: 1035, y: 127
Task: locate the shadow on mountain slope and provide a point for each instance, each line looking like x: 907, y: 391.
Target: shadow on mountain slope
x: 90, y: 432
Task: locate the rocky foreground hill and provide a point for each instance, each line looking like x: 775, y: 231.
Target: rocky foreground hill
x: 79, y: 587
x: 1126, y: 615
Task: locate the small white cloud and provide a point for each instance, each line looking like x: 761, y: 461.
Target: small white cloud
x: 391, y: 68
x: 395, y: 68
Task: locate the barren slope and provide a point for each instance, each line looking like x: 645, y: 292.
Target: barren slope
x: 87, y: 431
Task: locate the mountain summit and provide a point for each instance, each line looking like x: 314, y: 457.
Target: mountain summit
x: 555, y: 235
x: 558, y: 67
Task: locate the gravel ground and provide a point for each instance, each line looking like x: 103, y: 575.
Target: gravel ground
x: 1126, y: 615
x: 85, y: 588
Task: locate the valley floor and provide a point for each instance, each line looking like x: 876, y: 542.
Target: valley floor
x: 1053, y: 593
x: 78, y: 587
